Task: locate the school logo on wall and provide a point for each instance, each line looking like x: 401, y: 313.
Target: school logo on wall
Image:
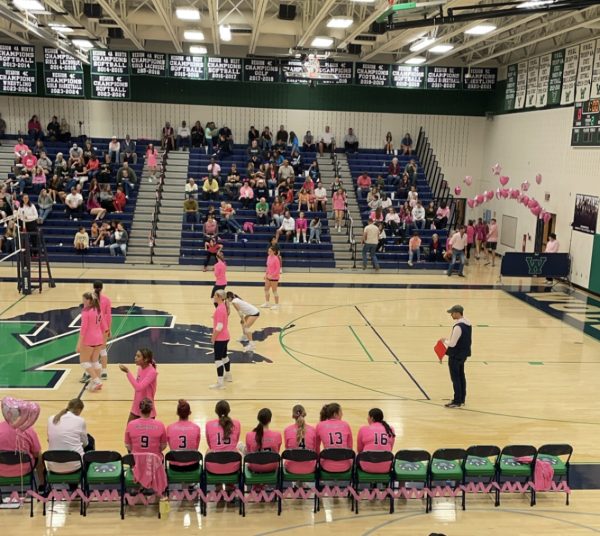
x: 535, y: 265
x: 34, y: 344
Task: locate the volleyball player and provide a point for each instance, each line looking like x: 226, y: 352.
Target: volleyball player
x: 146, y: 435
x: 272, y: 276
x: 220, y: 339
x: 334, y: 433
x: 263, y: 439
x: 378, y: 435
x: 223, y: 433
x: 183, y: 435
x: 90, y: 340
x: 248, y: 315
x: 106, y: 309
x: 144, y: 383
x: 300, y: 436
x: 220, y: 272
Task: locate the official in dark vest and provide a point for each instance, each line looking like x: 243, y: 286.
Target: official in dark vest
x: 458, y: 349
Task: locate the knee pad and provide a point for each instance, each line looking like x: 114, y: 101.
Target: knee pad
x: 218, y: 363
x: 276, y: 294
x: 86, y: 365
x: 225, y: 360
x: 103, y: 353
x: 96, y: 365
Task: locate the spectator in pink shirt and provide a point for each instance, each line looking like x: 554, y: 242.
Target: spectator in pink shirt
x: 28, y: 442
x: 144, y: 384
x: 551, y: 247
x: 414, y: 248
x: 29, y: 161
x: 441, y: 216
x: 301, y: 227
x: 21, y: 150
x: 34, y: 128
x: 492, y: 241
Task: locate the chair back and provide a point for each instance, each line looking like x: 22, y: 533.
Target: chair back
x: 484, y: 451
x: 337, y: 455
x: 183, y: 456
x: 262, y: 458
x: 101, y: 456
x: 375, y: 456
x: 557, y: 450
x: 450, y: 454
x: 61, y: 456
x: 12, y: 457
x: 413, y: 456
x: 299, y: 455
x: 223, y: 457
x: 519, y: 451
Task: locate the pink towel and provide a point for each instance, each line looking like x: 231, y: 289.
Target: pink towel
x: 149, y: 472
x: 543, y: 473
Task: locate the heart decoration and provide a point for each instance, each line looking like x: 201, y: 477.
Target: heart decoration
x: 480, y: 199
x: 489, y: 195
x: 538, y: 178
x: 471, y: 203
x: 504, y: 180
x: 457, y: 190
x: 468, y: 180
x: 20, y: 414
x: 514, y: 193
x: 525, y: 185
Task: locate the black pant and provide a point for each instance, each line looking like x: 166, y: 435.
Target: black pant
x: 459, y: 380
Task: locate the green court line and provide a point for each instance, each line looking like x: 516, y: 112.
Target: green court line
x: 11, y: 306
x: 361, y: 343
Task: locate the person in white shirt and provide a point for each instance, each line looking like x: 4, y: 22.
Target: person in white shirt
x: 418, y: 216
x: 114, y: 150
x: 191, y: 188
x: 214, y: 169
x: 327, y: 141
x: 67, y: 431
x: 288, y: 226
x: 74, y: 204
x: 386, y: 202
x: 321, y: 197
x: 285, y: 171
x: 458, y: 243
x: 551, y: 247
x: 248, y: 315
x: 184, y: 135
x: 350, y: 142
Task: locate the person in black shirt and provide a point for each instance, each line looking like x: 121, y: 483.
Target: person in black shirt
x: 253, y: 134
x: 458, y: 350
x: 53, y: 129
x: 281, y: 138
x: 197, y: 135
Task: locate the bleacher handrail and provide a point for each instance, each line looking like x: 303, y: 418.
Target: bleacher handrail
x: 157, y: 204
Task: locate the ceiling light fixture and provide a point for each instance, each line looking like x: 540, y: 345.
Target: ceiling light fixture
x: 441, y: 49
x: 193, y: 35
x: 535, y: 3
x: 195, y: 49
x: 322, y: 42
x: 421, y: 44
x: 225, y: 32
x: 187, y: 13
x: 29, y: 5
x: 340, y: 22
x: 84, y: 44
x: 60, y: 28
x: 481, y: 29
x: 417, y: 60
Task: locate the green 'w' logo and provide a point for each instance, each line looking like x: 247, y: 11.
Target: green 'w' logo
x: 535, y: 264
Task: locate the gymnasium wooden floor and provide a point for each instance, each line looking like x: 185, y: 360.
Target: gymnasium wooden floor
x: 364, y: 341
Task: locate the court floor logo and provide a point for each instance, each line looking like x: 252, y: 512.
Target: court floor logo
x: 34, y: 343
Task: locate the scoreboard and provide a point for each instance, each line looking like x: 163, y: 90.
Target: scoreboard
x: 586, y: 124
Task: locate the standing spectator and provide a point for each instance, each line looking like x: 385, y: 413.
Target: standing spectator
x: 212, y: 248
x: 480, y: 235
x: 552, y: 246
x: 327, y: 141
x: 414, y: 248
x: 382, y: 237
x: 34, y: 128
x: 418, y: 216
x: 128, y: 154
x: 151, y: 160
x: 294, y: 144
x: 45, y: 205
x: 406, y: 144
x: 81, y: 242
x: 114, y: 150
x: 315, y: 230
x: 370, y: 240
x: 492, y: 241
x: 197, y: 134
x: 2, y: 128
x: 183, y: 137
x: 262, y: 211
x: 339, y: 207
x: 388, y: 146
x: 120, y: 241
x: 167, y: 139
x: 350, y: 142
x: 411, y: 170
x: 208, y: 137
x: 363, y: 185
x: 281, y: 138
x: 470, y: 239
x: 308, y: 142
x: 74, y: 204
x: 301, y: 228
x: 458, y: 244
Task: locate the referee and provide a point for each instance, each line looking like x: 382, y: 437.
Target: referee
x: 458, y: 349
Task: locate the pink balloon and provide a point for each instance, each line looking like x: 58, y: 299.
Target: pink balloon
x: 490, y: 195
x: 505, y: 192
x: 524, y: 200
x: 496, y: 169
x: 471, y: 203
x: 538, y: 178
x: 20, y: 414
x: 504, y: 180
x: 498, y: 193
x: 457, y: 190
x: 514, y: 193
x: 480, y: 199
x: 468, y: 180
x: 547, y: 217
x: 532, y: 203
x: 525, y: 185
x: 535, y: 210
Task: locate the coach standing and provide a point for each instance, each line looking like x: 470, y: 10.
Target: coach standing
x: 458, y: 349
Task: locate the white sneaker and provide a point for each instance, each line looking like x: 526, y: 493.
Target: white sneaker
x: 249, y: 348
x: 216, y: 386
x: 410, y: 263
x: 274, y: 307
x: 242, y: 338
x: 95, y: 385
x: 266, y: 305
x: 228, y: 377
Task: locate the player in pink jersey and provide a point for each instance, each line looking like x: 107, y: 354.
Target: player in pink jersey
x: 334, y: 433
x: 220, y: 271
x: 222, y: 434
x: 300, y: 436
x: 144, y: 384
x: 91, y: 339
x: 106, y: 311
x: 272, y: 276
x: 378, y: 435
x: 220, y: 339
x: 146, y: 435
x: 183, y: 434
x: 263, y: 439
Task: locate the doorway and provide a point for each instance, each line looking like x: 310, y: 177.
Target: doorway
x: 542, y: 230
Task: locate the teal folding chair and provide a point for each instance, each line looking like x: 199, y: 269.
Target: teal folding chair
x: 447, y: 469
x: 251, y: 478
x: 232, y: 480
x: 481, y: 465
x: 289, y: 479
x: 62, y: 481
x: 374, y: 480
x: 103, y: 470
x: 510, y: 469
x: 559, y: 455
x: 21, y: 484
x: 184, y: 469
x: 411, y: 470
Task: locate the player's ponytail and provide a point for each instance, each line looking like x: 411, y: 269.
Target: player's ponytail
x: 93, y: 297
x: 148, y: 356
x: 377, y: 415
x: 324, y: 413
x: 75, y: 404
x: 231, y: 296
x: 222, y: 410
x: 183, y: 409
x: 328, y: 411
x: 146, y: 406
x: 298, y: 413
x: 264, y: 418
x: 98, y: 286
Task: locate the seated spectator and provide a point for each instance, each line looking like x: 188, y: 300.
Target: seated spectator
x: 320, y: 198
x: 126, y: 182
x: 351, y: 142
x: 191, y: 188
x: 246, y: 194
x: 263, y: 439
x: 403, y: 188
x: 210, y: 228
x: 120, y: 238
x: 26, y: 441
x: 406, y: 144
x: 281, y: 138
x: 266, y: 139
x: 314, y: 171
x: 394, y: 172
x: 234, y: 183
x: 413, y: 196
x: 288, y: 226
x: 303, y: 200
x: 60, y: 165
x: 21, y: 149
x: 106, y: 172
x: 184, y: 137
x: 5, y: 208
x: 128, y: 153
x: 388, y: 146
x: 277, y: 211
x: 78, y: 172
x: 386, y: 202
x: 301, y: 228
x: 286, y: 171
x: 74, y: 204
x: 67, y: 431
x: 93, y: 206
x: 214, y: 168
x: 106, y: 198
x: 392, y: 221
x: 326, y: 141
x: 65, y: 130
x: 197, y: 135
x: 315, y: 228
x: 34, y: 128
x: 210, y: 211
x: 75, y: 153
x: 308, y: 142
x: 374, y: 199
x: 23, y: 180
x: 225, y: 141
x: 429, y: 215
x: 120, y: 200
x: 38, y: 148
x: 227, y: 213
x: 53, y: 129
x: 418, y: 216
x: 414, y: 248
x: 7, y: 240
x: 262, y: 211
x: 253, y: 134
x: 44, y: 205
x: 56, y: 185
x: 103, y: 235
x: 411, y: 171
x: 441, y: 216
x: 92, y: 167
x: 363, y: 185
x: 88, y: 150
x: 44, y: 162
x: 210, y: 189
x: 254, y: 153
x: 190, y: 208
x: 212, y: 247
x: 261, y: 189
x: 81, y: 242
x: 38, y: 179
x: 114, y: 150
x: 436, y: 249
x: 377, y: 215
x: 146, y: 435
x: 167, y: 139
x: 29, y: 161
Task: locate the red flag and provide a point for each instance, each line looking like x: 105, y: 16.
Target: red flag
x: 440, y: 349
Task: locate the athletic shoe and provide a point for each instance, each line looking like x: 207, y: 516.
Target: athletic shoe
x: 228, y: 377
x: 85, y: 378
x: 94, y: 386
x: 266, y: 305
x: 249, y: 348
x: 461, y: 275
x: 216, y: 386
x: 274, y: 307
x: 242, y: 338
x: 410, y: 263
x: 104, y: 375
x: 452, y: 405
